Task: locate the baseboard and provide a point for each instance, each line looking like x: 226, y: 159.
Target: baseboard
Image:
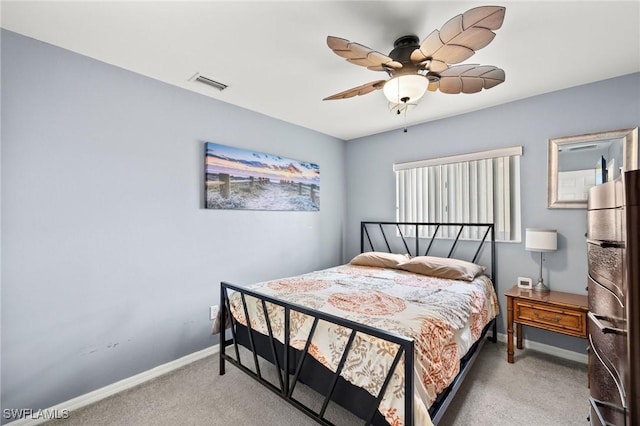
x: 114, y: 388
x: 549, y: 350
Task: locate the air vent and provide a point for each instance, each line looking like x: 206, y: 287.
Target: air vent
x: 208, y: 81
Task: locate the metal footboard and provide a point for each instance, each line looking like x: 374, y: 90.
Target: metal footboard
x: 285, y: 365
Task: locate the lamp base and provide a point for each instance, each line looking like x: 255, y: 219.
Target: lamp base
x: 541, y: 287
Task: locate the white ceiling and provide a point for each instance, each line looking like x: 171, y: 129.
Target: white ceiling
x: 274, y: 57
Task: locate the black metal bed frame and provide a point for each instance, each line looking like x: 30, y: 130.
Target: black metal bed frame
x: 289, y: 361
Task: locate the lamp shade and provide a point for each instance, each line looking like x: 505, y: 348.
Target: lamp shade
x: 405, y: 88
x: 540, y: 239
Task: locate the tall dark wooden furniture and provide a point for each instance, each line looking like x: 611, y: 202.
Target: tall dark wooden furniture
x: 613, y: 245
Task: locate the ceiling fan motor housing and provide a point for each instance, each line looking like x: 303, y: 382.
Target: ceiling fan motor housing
x: 403, y: 47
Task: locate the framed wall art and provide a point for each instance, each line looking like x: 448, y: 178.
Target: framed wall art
x: 237, y: 178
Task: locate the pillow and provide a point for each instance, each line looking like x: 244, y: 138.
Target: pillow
x: 379, y: 259
x: 442, y: 267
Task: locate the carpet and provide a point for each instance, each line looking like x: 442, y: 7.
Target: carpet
x: 537, y: 389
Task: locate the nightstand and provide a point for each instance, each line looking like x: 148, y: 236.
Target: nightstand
x: 555, y: 311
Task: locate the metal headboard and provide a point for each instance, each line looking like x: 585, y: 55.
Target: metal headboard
x: 490, y: 232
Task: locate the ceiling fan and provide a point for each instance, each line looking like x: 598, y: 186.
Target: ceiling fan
x: 414, y: 68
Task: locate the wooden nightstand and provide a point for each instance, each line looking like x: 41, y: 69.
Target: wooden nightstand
x: 556, y: 311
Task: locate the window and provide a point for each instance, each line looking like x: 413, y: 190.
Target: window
x: 480, y: 187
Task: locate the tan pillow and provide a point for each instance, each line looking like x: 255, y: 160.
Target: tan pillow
x: 379, y: 259
x: 442, y: 267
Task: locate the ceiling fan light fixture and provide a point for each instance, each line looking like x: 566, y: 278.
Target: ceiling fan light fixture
x: 407, y: 88
x: 401, y: 107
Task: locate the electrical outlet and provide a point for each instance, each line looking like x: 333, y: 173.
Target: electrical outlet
x: 213, y: 312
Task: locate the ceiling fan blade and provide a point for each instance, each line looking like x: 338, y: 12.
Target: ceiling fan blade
x: 450, y: 85
x: 437, y: 66
x: 470, y: 78
x: 375, y: 59
x: 361, y: 55
x: 358, y: 91
x: 458, y: 70
x: 472, y: 84
x: 461, y: 36
x: 493, y: 78
x: 429, y: 46
x: 490, y: 17
x: 453, y: 54
x: 473, y: 38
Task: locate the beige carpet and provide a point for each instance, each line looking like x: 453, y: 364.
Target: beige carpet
x: 536, y: 390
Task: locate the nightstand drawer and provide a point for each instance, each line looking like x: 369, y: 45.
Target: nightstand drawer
x: 550, y: 318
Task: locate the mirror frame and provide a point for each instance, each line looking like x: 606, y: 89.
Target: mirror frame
x: 629, y: 153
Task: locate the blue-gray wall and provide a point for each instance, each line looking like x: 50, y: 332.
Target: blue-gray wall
x: 606, y: 105
x: 109, y: 260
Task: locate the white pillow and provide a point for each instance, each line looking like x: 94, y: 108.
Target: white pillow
x: 442, y: 267
x: 379, y: 259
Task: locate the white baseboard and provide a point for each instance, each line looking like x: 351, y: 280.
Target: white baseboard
x: 122, y: 385
x: 549, y: 350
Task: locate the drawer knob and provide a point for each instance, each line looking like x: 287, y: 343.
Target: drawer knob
x: 596, y: 404
x: 604, y: 329
x: 606, y: 244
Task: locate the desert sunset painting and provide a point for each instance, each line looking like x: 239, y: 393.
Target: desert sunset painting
x: 242, y: 179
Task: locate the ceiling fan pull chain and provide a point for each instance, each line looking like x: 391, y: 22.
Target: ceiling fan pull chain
x: 406, y: 107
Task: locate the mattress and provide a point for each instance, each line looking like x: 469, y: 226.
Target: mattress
x: 443, y: 316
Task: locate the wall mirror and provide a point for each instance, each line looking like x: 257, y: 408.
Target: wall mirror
x: 576, y: 163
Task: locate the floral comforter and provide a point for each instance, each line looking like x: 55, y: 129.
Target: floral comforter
x: 444, y: 317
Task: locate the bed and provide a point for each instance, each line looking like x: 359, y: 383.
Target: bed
x: 381, y: 336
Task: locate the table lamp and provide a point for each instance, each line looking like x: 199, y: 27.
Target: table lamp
x: 542, y: 240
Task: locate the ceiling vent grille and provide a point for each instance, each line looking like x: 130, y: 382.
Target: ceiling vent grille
x: 209, y: 82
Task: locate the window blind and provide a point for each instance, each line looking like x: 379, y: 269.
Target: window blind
x: 482, y: 190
